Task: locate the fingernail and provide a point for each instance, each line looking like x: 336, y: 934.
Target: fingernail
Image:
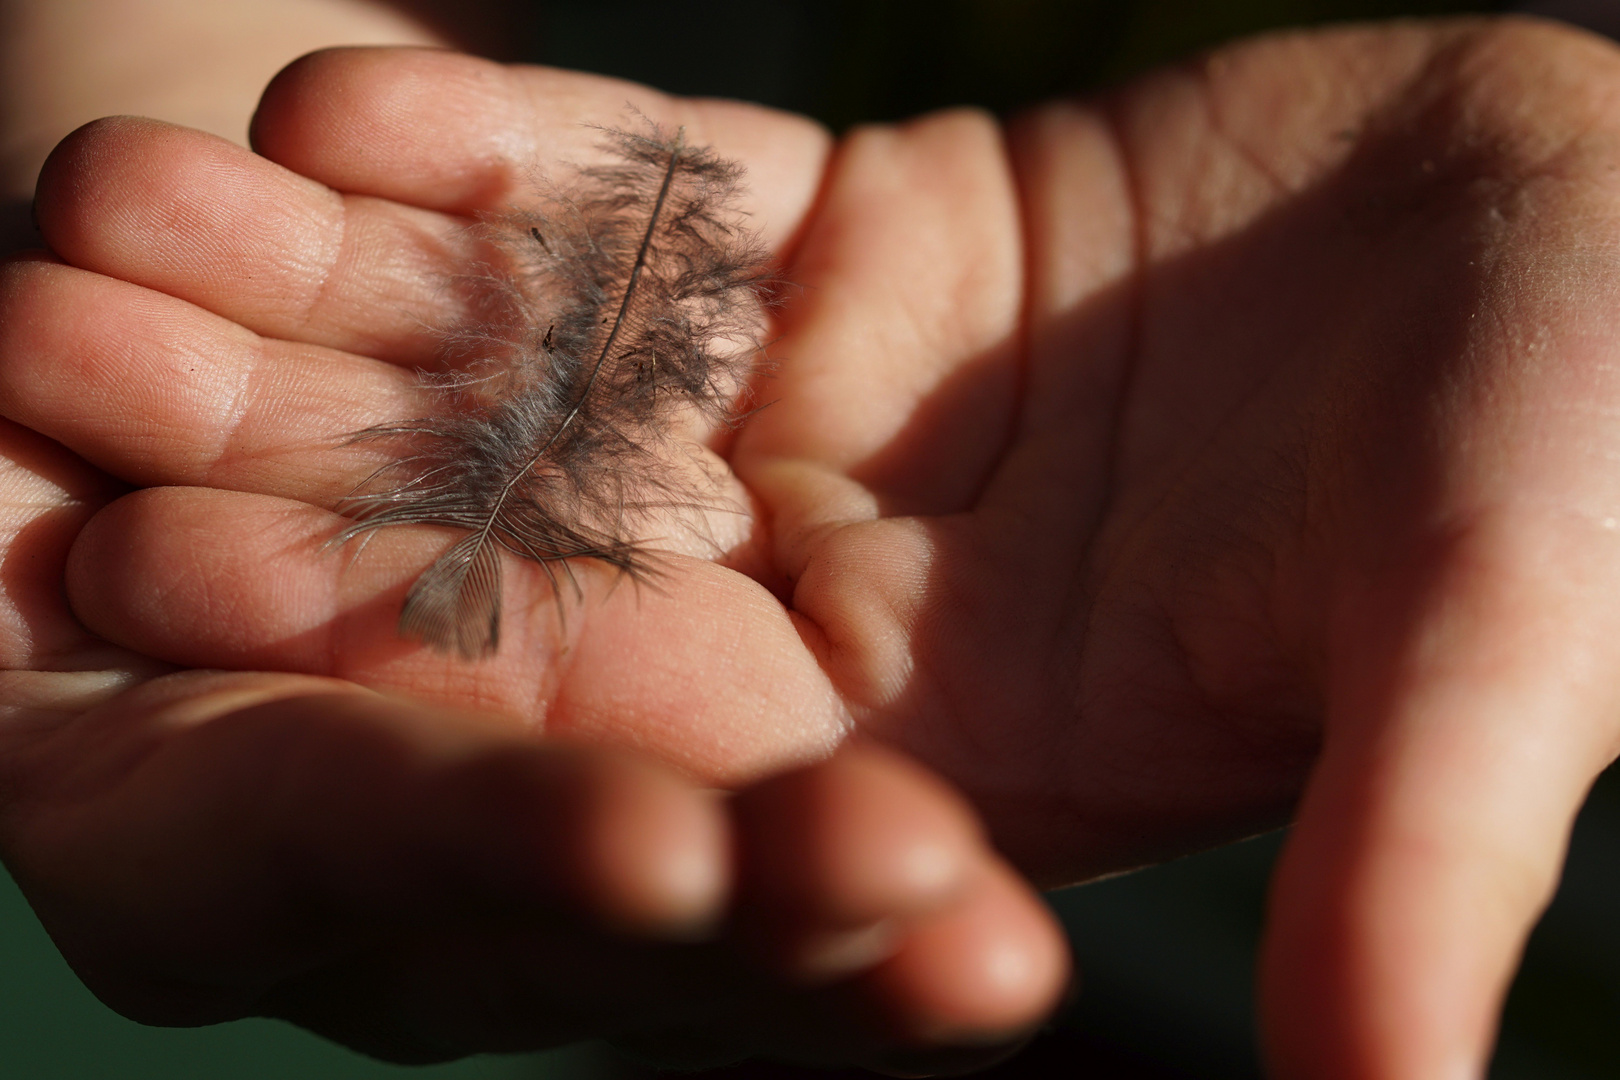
x: 830, y: 955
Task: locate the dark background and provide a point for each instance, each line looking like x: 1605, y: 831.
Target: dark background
x: 1165, y: 954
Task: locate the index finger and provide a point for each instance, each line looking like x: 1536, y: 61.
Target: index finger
x: 461, y: 134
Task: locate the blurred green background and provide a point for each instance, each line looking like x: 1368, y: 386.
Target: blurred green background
x: 1167, y: 953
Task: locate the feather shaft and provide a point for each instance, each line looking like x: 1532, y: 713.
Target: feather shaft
x: 556, y: 443
x: 618, y: 322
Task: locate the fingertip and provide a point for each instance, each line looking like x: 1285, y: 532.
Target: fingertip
x: 268, y: 127
x: 864, y: 836
x: 91, y: 178
x: 307, y: 95
x: 390, y: 121
x: 981, y: 974
x: 284, y: 103
x: 655, y: 852
x: 180, y: 211
x: 460, y: 134
x: 444, y: 811
x: 128, y: 589
x: 625, y: 844
x: 837, y: 857
x: 62, y: 179
x: 96, y: 562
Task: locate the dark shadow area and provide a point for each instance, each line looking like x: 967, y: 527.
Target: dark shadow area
x: 849, y: 61
x: 18, y: 231
x: 1563, y: 1005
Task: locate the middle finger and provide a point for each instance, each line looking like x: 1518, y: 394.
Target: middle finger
x: 206, y: 221
x: 158, y: 391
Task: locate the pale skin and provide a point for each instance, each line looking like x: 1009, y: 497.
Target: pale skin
x: 1236, y: 447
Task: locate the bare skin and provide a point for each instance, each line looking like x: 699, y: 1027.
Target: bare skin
x: 421, y: 884
x: 67, y: 62
x: 410, y: 881
x: 1234, y: 447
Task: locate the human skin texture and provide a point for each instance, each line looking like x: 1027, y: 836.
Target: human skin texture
x: 1232, y: 448
x: 66, y: 62
x: 199, y: 63
x: 422, y: 884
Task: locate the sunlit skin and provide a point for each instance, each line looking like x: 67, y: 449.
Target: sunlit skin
x: 422, y: 883
x: 1156, y: 468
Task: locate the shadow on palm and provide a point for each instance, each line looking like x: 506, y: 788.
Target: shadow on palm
x: 1123, y: 656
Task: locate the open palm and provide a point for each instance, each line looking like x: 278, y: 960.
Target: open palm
x: 1140, y: 467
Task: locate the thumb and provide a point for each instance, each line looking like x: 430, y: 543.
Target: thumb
x: 1431, y: 835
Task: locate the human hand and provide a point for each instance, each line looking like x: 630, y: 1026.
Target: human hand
x: 423, y: 883
x: 1241, y: 429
